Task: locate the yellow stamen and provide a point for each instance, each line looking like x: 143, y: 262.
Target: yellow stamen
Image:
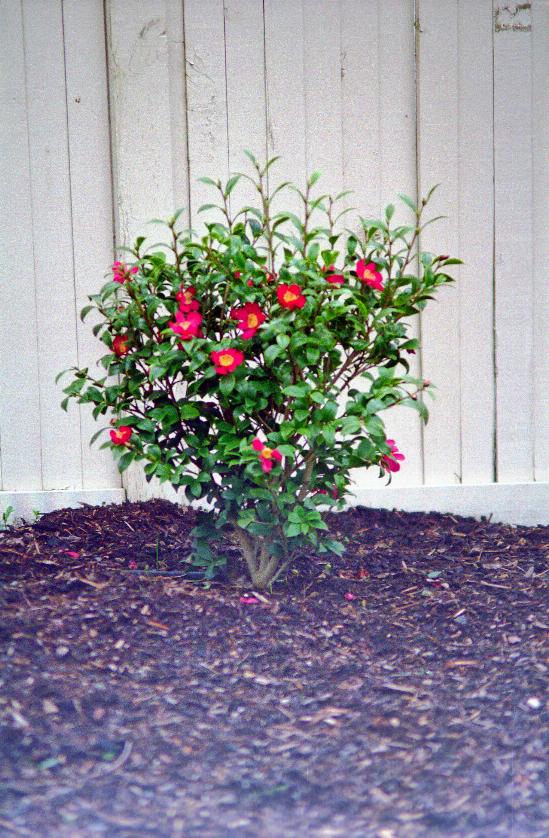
x: 289, y: 297
x: 226, y: 360
x: 252, y: 321
x: 267, y: 453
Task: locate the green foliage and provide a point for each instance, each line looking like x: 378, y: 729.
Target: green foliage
x: 193, y: 421
x: 7, y: 518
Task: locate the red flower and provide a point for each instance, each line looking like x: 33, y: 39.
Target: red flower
x: 266, y: 455
x: 121, y: 435
x: 226, y: 360
x: 389, y: 461
x: 250, y: 318
x: 121, y: 272
x: 120, y: 345
x: 269, y: 275
x: 369, y: 275
x: 333, y: 278
x: 186, y: 325
x: 334, y: 492
x: 290, y: 296
x: 185, y: 298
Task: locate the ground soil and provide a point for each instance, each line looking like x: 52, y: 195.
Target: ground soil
x: 397, y: 692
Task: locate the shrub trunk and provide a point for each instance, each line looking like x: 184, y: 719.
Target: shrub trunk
x: 262, y: 565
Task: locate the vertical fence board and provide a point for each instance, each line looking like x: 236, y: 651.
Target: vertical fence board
x: 397, y: 103
x: 438, y: 163
x: 53, y: 255
x: 91, y: 197
x: 19, y: 396
x: 145, y: 44
x: 379, y: 153
x: 361, y: 126
x: 142, y: 139
x: 246, y: 120
x: 476, y: 241
x: 175, y: 31
x: 361, y: 105
x: 398, y: 173
x: 540, y: 146
x: 514, y: 244
x: 286, y: 128
x: 323, y: 101
x: 206, y: 99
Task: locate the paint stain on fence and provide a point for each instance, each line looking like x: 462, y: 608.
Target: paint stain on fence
x: 514, y: 17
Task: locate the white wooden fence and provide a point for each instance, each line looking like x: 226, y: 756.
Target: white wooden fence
x: 126, y: 103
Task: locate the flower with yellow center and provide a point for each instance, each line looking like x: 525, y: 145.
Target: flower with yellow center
x: 290, y: 296
x: 225, y: 360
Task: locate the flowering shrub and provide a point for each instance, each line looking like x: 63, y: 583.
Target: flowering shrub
x: 230, y: 359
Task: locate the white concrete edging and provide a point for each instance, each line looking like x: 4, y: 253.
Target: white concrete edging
x: 26, y: 503
x: 524, y: 504
x: 510, y: 503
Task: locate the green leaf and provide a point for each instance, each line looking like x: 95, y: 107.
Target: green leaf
x: 328, y: 436
x: 226, y: 384
x: 272, y: 352
x: 408, y: 201
x: 189, y: 411
x: 97, y: 434
x: 292, y: 530
x: 231, y: 183
x: 296, y: 390
x: 350, y: 425
x: 286, y: 450
x: 365, y: 450
x: 156, y: 372
x: 283, y: 341
x: 206, y: 207
x: 60, y: 375
x: 334, y: 546
x: 245, y: 518
x: 85, y: 311
x: 125, y: 460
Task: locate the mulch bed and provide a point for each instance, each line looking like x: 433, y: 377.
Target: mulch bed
x: 141, y: 704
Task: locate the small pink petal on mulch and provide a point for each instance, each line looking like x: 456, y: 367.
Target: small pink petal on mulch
x: 349, y: 596
x: 72, y: 553
x: 248, y: 600
x: 132, y: 565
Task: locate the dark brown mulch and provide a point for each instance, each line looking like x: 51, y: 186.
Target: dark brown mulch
x: 134, y: 704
